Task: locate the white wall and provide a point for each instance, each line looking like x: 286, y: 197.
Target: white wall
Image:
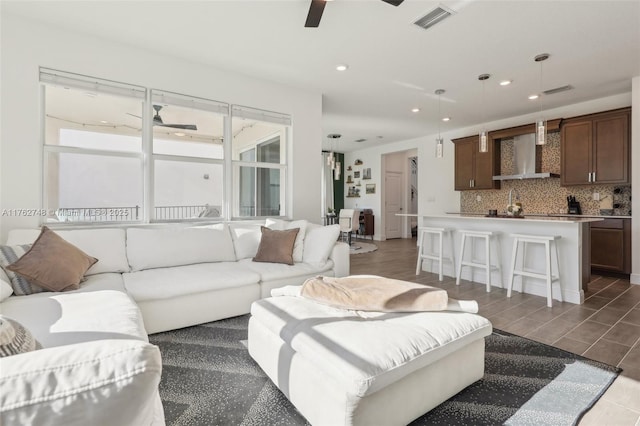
x: 436, y: 175
x: 26, y: 45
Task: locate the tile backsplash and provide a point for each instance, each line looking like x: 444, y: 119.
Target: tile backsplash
x: 545, y: 195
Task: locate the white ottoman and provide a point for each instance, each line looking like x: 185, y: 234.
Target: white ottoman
x: 340, y: 367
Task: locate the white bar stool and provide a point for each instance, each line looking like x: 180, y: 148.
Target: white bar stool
x: 431, y: 255
x: 549, y: 242
x: 488, y: 238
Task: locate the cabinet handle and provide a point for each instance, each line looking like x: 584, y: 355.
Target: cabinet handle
x: 594, y: 177
x: 589, y: 177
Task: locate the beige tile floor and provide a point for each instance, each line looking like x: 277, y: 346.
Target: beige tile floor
x: 605, y: 328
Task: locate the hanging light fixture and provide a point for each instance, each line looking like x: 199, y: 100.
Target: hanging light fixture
x: 541, y: 123
x: 483, y: 142
x: 439, y: 141
x: 331, y: 158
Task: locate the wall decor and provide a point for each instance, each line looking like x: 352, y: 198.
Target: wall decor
x: 356, y: 174
x: 366, y: 173
x: 357, y: 162
x: 371, y: 188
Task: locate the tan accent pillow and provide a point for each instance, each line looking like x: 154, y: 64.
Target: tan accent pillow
x: 276, y: 246
x: 53, y: 263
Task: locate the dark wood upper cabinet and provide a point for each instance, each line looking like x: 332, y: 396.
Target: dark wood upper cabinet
x: 595, y: 149
x: 475, y: 169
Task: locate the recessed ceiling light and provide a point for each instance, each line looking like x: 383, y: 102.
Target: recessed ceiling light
x: 446, y: 118
x: 90, y: 94
x: 415, y: 109
x: 342, y: 67
x: 104, y: 121
x: 179, y: 134
x: 532, y: 97
x: 505, y: 82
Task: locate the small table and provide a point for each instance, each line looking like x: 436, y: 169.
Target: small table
x: 330, y: 220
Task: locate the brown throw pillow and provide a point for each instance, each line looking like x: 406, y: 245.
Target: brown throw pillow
x: 276, y: 246
x: 53, y: 263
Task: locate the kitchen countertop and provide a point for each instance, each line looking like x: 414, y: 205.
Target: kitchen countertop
x: 553, y: 215
x: 526, y: 218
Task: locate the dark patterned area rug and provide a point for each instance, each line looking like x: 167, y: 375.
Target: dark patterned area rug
x: 209, y: 378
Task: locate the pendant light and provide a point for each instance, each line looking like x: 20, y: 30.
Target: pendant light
x: 439, y: 141
x: 483, y: 142
x: 541, y: 123
x: 331, y: 158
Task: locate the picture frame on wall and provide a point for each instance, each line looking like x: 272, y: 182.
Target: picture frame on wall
x: 370, y: 188
x: 366, y: 173
x: 356, y: 174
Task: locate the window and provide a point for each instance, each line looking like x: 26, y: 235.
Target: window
x: 188, y: 157
x: 93, y: 158
x: 260, y: 162
x: 117, y: 152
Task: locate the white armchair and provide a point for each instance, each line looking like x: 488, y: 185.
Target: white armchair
x: 349, y: 221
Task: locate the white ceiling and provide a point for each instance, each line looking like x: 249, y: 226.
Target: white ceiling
x: 393, y: 65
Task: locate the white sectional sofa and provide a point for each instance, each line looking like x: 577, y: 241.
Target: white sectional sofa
x: 96, y: 365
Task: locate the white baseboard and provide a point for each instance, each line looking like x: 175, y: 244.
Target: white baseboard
x: 635, y: 279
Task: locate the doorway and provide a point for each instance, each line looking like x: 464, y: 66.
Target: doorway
x: 399, y: 193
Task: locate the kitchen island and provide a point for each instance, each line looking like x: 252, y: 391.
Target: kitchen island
x: 573, y: 249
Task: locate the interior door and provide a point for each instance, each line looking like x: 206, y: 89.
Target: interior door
x: 393, y: 204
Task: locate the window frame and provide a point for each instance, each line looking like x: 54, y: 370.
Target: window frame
x: 147, y: 157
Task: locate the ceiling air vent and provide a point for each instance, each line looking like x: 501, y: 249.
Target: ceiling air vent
x: 360, y: 140
x: 558, y: 90
x: 433, y: 17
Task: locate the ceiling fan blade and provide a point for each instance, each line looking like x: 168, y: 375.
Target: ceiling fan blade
x: 394, y: 2
x: 315, y: 13
x: 178, y: 126
x: 133, y: 115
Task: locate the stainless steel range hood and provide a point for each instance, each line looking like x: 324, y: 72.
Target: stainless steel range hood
x: 526, y: 160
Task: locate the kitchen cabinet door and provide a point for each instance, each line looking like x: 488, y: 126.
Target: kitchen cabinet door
x: 464, y: 162
x: 484, y: 168
x: 576, y: 152
x: 611, y: 246
x: 475, y: 169
x: 611, y: 149
x: 595, y: 149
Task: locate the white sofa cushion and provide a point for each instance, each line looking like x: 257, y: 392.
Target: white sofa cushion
x: 277, y: 271
x: 367, y: 351
x: 163, y: 283
x: 105, y: 244
x: 99, y: 310
x: 5, y: 289
x: 318, y: 243
x: 108, y: 382
x: 281, y: 225
x: 176, y: 246
x: 246, y: 239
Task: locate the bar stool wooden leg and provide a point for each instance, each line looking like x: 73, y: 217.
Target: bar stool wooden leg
x: 462, y: 243
x: 487, y: 249
x: 514, y: 256
x: 498, y: 254
x: 547, y: 252
x: 441, y: 255
x: 555, y: 247
x: 452, y: 257
x: 420, y: 243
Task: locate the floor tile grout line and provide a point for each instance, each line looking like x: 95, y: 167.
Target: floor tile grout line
x: 610, y: 328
